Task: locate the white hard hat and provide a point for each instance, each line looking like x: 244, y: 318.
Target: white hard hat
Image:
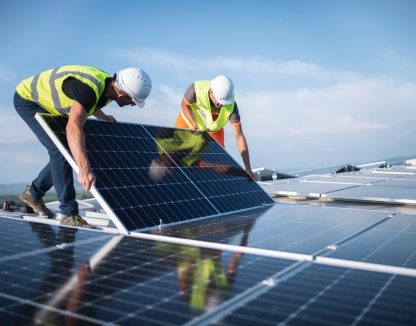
x: 223, y: 89
x: 158, y: 171
x: 136, y: 83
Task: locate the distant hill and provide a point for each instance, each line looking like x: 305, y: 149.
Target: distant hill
x: 11, y: 188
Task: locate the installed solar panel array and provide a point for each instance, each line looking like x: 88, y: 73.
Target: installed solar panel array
x: 148, y: 175
x: 290, y: 263
x: 391, y: 186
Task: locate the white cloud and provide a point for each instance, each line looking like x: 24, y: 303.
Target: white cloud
x: 348, y: 117
x: 160, y: 109
x: 12, y: 128
x: 353, y: 108
x: 257, y: 65
x: 359, y: 107
x: 172, y: 96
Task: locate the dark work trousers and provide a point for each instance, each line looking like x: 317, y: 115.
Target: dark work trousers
x: 57, y: 172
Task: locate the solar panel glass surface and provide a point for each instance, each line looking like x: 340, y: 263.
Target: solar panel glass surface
x: 325, y: 295
x: 152, y: 175
x: 391, y: 243
x: 121, y: 279
x: 284, y: 227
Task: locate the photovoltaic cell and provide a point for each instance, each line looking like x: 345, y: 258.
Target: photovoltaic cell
x: 151, y: 175
x: 124, y: 280
x: 391, y: 243
x: 120, y: 156
x: 324, y: 295
x: 92, y: 277
x: 214, y: 173
x: 148, y: 175
x: 364, y: 186
x: 17, y: 237
x: 284, y: 227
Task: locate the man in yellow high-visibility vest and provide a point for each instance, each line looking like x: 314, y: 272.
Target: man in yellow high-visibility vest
x: 210, y: 105
x: 76, y: 92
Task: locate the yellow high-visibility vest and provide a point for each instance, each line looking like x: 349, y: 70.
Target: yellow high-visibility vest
x: 202, y: 109
x: 45, y: 88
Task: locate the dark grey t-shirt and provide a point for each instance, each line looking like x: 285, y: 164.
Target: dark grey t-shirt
x: 190, y: 96
x: 83, y: 94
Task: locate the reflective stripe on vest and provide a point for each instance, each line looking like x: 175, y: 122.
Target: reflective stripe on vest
x: 202, y: 108
x: 47, y: 90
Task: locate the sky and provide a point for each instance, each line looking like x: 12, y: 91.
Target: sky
x: 318, y: 83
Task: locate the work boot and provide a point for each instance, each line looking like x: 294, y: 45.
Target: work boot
x: 37, y: 205
x: 75, y: 220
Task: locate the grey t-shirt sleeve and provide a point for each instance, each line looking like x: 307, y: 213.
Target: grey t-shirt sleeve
x: 235, y: 116
x: 190, y: 95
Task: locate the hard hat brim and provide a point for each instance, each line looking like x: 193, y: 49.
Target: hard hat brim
x: 226, y: 102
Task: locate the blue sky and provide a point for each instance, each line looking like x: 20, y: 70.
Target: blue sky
x: 318, y: 83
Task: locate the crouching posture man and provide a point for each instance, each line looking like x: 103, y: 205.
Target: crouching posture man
x: 77, y: 92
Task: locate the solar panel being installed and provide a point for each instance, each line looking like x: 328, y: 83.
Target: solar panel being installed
x: 149, y: 175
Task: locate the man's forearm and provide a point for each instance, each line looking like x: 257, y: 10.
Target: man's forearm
x: 243, y: 149
x: 246, y: 159
x: 76, y: 142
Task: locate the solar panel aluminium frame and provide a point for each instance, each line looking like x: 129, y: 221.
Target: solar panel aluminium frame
x: 101, y: 200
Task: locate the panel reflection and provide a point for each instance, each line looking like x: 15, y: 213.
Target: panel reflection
x: 204, y: 275
x: 125, y: 280
x: 187, y: 149
x: 293, y: 228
